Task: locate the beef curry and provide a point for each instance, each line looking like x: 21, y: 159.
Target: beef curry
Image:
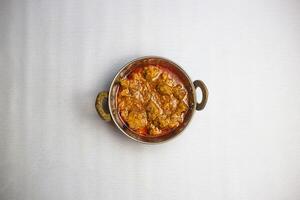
x: 152, y: 101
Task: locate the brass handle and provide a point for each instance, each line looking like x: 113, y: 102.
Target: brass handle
x: 102, y: 99
x: 199, y: 83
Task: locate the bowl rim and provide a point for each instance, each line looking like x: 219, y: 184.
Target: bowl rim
x: 151, y: 57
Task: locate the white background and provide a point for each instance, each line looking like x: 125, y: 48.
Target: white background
x: 56, y: 55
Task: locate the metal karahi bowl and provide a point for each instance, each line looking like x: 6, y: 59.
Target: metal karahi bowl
x: 110, y: 97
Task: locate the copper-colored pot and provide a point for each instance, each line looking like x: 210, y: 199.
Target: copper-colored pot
x: 112, y: 112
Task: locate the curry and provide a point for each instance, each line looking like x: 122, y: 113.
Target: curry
x: 152, y: 101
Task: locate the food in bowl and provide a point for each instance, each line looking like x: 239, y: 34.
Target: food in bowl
x: 152, y: 100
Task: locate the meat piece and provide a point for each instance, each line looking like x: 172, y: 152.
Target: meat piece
x: 182, y: 107
x: 151, y: 72
x: 165, y: 78
x: 165, y: 89
x: 137, y: 119
x: 179, y: 92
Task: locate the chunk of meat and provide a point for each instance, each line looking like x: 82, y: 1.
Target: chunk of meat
x: 151, y: 72
x: 179, y: 92
x: 182, y: 107
x: 165, y: 89
x: 137, y: 119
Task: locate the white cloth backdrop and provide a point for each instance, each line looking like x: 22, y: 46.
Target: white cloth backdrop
x: 55, y: 55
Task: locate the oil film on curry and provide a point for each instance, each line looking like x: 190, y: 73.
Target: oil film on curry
x: 151, y: 99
